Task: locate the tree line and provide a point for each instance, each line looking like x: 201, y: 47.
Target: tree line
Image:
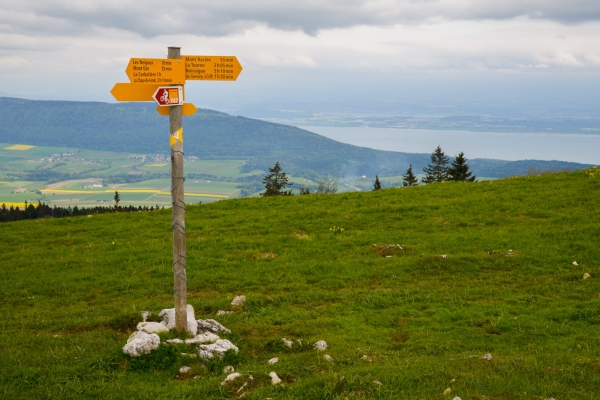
x: 43, y: 210
x: 276, y: 182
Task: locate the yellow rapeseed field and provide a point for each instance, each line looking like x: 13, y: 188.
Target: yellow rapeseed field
x: 19, y: 147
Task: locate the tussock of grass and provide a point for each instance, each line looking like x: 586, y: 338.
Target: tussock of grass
x: 416, y: 322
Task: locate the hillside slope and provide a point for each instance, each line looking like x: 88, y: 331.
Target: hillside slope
x: 511, y: 285
x: 138, y: 128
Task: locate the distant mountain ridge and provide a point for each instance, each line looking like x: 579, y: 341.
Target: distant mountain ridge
x: 138, y: 128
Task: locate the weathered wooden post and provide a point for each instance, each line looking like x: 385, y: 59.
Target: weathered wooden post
x: 178, y: 210
x: 149, y: 78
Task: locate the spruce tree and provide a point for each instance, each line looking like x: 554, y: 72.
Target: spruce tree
x: 117, y: 200
x: 377, y: 184
x: 459, y: 171
x: 437, y: 171
x: 275, y: 182
x: 409, y: 179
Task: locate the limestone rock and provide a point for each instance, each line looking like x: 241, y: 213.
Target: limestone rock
x: 228, y: 369
x: 447, y: 391
x: 321, y: 345
x: 174, y: 341
x: 211, y: 325
x: 575, y: 263
x: 207, y: 337
x: 184, y: 370
x: 327, y: 357
x: 275, y: 380
x: 152, y: 327
x: 488, y: 356
x: 218, y: 348
x: 222, y: 312
x: 238, y: 301
x: 168, y: 319
x: 458, y: 398
x: 273, y: 361
x: 586, y: 275
x: 287, y: 342
x: 141, y: 343
x: 231, y: 378
x: 444, y: 256
x: 189, y: 355
x: 377, y: 383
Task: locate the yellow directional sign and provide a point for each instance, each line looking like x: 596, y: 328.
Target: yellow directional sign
x: 212, y: 68
x: 163, y: 71
x: 187, y: 110
x: 135, y: 92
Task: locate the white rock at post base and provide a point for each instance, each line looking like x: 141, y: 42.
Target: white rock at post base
x: 168, y: 319
x: 275, y: 380
x: 218, y: 348
x: 211, y: 325
x: 207, y: 337
x: 152, y: 327
x: 321, y: 345
x: 238, y: 300
x: 230, y: 378
x: 140, y: 343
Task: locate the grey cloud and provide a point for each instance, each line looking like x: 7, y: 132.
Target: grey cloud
x: 219, y: 18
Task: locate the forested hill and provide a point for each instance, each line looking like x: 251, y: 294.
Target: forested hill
x: 138, y: 128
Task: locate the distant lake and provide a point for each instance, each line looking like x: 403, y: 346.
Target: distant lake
x: 503, y: 146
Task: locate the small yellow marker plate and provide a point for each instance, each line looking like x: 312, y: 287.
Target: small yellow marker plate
x: 187, y: 110
x: 177, y: 136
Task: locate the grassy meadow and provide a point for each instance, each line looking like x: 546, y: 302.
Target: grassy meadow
x: 71, y: 292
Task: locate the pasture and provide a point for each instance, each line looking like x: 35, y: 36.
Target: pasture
x: 493, y: 267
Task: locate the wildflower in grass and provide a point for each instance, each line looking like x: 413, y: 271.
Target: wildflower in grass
x: 336, y: 230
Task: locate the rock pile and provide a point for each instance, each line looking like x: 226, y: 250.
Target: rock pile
x: 146, y: 339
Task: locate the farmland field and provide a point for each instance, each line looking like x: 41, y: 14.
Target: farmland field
x: 98, y: 168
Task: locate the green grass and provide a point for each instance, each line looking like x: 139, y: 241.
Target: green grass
x: 70, y: 297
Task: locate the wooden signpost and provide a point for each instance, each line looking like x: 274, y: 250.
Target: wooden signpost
x: 162, y: 80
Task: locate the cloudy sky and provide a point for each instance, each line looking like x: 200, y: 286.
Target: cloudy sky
x: 294, y: 53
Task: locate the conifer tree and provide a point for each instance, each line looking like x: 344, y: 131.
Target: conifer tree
x: 459, y: 171
x: 377, y: 184
x: 409, y: 179
x: 275, y: 182
x: 437, y: 171
x: 117, y: 200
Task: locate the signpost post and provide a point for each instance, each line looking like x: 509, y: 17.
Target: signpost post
x: 148, y: 77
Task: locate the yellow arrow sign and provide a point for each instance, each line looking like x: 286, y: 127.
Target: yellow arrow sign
x: 135, y: 92
x: 187, y: 110
x: 212, y: 68
x: 163, y: 71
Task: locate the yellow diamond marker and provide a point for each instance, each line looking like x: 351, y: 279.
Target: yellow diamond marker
x: 19, y: 147
x: 177, y: 136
